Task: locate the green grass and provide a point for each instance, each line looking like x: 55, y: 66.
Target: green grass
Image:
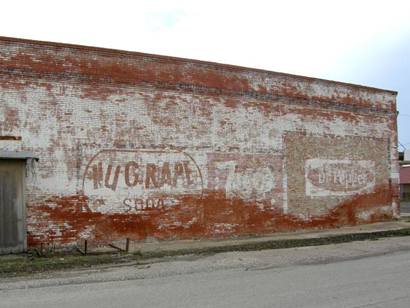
x: 25, y: 264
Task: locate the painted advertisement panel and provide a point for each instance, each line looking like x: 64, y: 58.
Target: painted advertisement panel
x: 131, y: 181
x: 255, y: 178
x: 333, y: 177
x: 136, y: 181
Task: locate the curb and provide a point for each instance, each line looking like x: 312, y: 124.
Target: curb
x: 277, y: 244
x: 21, y: 265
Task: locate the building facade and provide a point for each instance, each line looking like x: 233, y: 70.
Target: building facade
x: 405, y: 182
x: 139, y: 146
x: 405, y: 176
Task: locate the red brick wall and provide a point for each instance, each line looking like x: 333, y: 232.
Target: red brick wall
x: 136, y: 145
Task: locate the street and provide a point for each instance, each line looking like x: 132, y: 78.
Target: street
x: 357, y: 274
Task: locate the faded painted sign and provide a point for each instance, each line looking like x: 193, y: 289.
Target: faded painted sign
x: 326, y: 177
x: 251, y: 177
x: 132, y: 181
x: 119, y: 181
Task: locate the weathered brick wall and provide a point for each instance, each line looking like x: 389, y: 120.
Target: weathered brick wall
x: 136, y: 145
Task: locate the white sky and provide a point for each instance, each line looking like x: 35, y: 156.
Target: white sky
x: 365, y: 42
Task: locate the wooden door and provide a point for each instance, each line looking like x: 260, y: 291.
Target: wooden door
x: 12, y: 208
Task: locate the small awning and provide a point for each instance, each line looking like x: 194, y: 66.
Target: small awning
x: 17, y: 155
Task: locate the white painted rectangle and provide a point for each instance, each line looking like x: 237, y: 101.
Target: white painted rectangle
x: 327, y: 177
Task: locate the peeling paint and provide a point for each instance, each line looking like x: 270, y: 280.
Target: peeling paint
x: 145, y: 146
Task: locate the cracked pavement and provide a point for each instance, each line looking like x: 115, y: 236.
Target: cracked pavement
x: 356, y: 274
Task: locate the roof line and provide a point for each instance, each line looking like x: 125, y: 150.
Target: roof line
x: 112, y: 51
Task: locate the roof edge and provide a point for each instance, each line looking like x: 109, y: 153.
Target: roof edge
x: 112, y: 51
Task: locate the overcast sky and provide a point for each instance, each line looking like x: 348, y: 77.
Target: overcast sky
x: 364, y: 42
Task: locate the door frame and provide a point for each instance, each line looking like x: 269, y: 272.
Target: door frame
x: 18, y: 167
x: 20, y: 158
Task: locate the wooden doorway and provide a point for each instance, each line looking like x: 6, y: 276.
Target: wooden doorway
x: 12, y: 206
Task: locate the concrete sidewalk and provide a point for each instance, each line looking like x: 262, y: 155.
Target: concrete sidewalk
x: 278, y: 240
x: 154, y: 251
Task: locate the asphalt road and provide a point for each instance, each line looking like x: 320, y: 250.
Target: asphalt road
x: 358, y: 274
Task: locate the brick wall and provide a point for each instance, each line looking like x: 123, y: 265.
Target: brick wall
x: 139, y: 146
